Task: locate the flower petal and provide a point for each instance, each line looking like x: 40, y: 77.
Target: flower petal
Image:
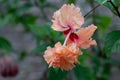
x: 67, y: 17
x: 63, y: 57
x: 85, y: 35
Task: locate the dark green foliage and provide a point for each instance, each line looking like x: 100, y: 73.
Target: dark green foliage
x: 40, y: 48
x: 112, y: 42
x: 42, y: 1
x: 113, y: 5
x: 101, y: 1
x: 4, y: 20
x: 102, y: 22
x: 71, y: 1
x: 5, y: 45
x: 57, y: 74
x: 116, y: 2
x: 45, y: 34
x: 50, y: 5
x: 83, y: 73
x: 22, y: 55
x: 42, y: 31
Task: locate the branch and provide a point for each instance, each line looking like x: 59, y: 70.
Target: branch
x: 91, y: 10
x: 115, y: 7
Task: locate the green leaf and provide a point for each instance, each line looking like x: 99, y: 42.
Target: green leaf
x: 59, y: 37
x: 40, y: 30
x: 109, y: 6
x: 116, y: 2
x: 21, y: 10
x: 42, y: 1
x: 57, y: 74
x: 103, y: 22
x: 112, y: 42
x: 44, y: 32
x: 5, y: 20
x: 83, y: 73
x: 3, y: 1
x: 29, y: 18
x: 83, y: 58
x: 101, y: 1
x: 50, y: 5
x: 5, y: 45
x: 71, y: 1
x: 22, y: 55
x: 26, y: 20
x: 116, y: 46
x: 40, y: 48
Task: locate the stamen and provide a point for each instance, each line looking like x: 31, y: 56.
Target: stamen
x: 67, y: 37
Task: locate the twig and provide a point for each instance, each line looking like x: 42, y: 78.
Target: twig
x: 115, y: 7
x: 91, y: 10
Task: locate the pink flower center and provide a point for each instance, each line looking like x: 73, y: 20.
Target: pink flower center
x: 73, y: 37
x: 67, y: 31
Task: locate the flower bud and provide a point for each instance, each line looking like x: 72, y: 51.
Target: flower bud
x: 8, y: 68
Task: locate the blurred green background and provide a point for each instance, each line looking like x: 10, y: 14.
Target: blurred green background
x: 25, y: 32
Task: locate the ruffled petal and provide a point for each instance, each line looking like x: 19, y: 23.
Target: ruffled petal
x: 68, y: 17
x: 85, y: 35
x: 63, y: 57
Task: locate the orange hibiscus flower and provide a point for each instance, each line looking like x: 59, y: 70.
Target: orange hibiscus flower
x: 61, y: 56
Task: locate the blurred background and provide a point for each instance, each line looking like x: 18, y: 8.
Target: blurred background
x: 25, y: 32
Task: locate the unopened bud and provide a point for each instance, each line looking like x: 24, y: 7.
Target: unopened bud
x: 8, y: 68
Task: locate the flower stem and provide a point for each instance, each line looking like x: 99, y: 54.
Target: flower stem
x: 68, y: 35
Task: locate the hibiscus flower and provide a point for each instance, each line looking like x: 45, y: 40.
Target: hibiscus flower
x: 68, y: 17
x: 63, y: 57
